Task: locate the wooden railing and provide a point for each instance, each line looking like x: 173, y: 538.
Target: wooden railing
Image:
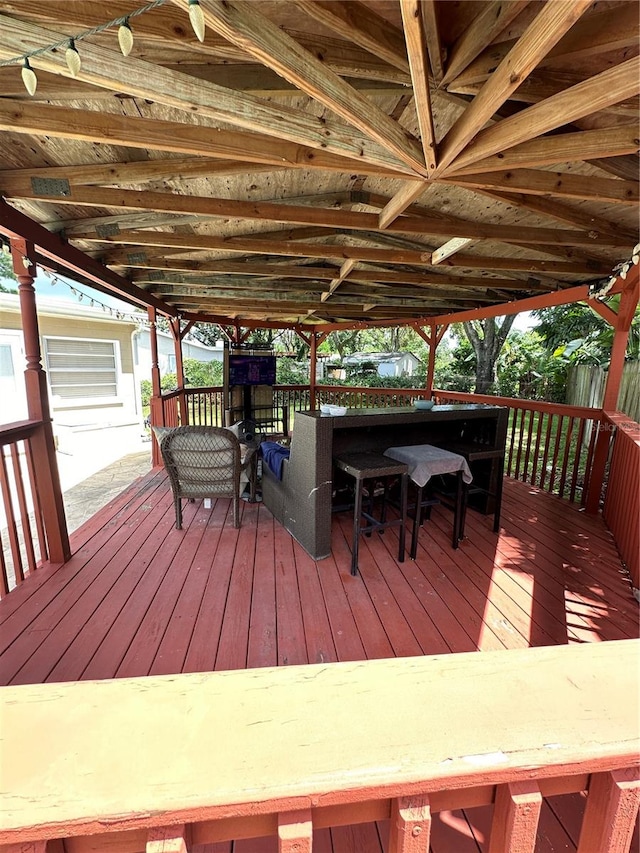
x: 622, y: 502
x: 549, y: 445
x: 363, y: 398
x: 167, y: 763
x: 23, y: 543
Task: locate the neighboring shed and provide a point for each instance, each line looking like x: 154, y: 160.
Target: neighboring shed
x: 88, y: 358
x: 388, y: 363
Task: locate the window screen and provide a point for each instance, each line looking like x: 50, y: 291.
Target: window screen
x: 81, y: 368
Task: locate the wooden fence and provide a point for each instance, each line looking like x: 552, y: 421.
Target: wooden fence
x: 586, y: 383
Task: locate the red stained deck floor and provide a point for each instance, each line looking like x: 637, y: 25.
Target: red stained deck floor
x: 141, y: 598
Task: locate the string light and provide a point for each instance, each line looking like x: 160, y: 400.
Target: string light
x: 125, y: 37
x: 196, y: 16
x: 29, y: 77
x: 72, y: 58
x: 71, y: 54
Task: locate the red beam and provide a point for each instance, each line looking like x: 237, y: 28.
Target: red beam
x: 17, y: 225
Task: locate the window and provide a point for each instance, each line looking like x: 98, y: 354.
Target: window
x: 81, y: 368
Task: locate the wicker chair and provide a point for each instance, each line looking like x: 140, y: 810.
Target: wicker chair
x: 207, y: 462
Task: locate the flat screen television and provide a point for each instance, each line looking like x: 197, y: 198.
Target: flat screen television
x: 252, y: 370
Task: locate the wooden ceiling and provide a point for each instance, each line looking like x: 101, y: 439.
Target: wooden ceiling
x: 315, y: 162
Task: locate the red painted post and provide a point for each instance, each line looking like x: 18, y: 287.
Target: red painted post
x: 176, y: 334
x: 628, y: 302
x: 42, y: 442
x: 156, y: 414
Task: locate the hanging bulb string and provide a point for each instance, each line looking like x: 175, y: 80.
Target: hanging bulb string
x: 133, y: 317
x: 69, y: 40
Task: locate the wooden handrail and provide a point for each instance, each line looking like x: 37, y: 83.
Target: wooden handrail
x: 215, y: 756
x: 17, y: 431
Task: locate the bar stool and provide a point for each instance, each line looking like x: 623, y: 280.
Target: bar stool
x: 475, y: 456
x: 374, y: 466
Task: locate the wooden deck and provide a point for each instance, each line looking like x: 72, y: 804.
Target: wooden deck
x: 139, y: 597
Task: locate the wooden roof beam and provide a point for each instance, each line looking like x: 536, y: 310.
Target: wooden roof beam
x: 419, y: 64
x: 594, y: 34
x: 139, y: 78
x: 586, y: 98
x: 134, y: 132
x: 435, y: 48
x: 492, y: 19
x: 449, y: 248
x: 561, y: 184
x: 403, y: 199
x: 355, y: 22
x: 243, y: 25
x: 345, y: 269
x: 300, y: 215
x: 548, y: 27
x: 560, y: 148
x: 413, y: 257
x: 16, y: 224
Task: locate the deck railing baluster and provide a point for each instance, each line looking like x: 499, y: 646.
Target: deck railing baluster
x: 295, y: 832
x: 410, y: 825
x: 611, y: 812
x: 515, y: 818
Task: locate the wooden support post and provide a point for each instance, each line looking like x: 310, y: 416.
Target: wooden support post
x: 410, y: 825
x: 628, y: 302
x: 295, y: 832
x: 42, y: 443
x: 167, y: 839
x: 433, y: 338
x: 156, y: 412
x: 611, y: 812
x: 515, y: 818
x: 177, y: 335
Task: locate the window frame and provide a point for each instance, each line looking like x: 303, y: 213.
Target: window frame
x: 86, y: 400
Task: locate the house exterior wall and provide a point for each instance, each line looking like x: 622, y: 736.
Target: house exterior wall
x: 166, y: 353
x: 80, y: 421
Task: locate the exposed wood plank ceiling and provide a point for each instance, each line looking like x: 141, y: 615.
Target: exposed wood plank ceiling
x: 316, y: 161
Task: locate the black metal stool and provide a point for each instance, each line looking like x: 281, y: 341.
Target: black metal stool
x: 374, y: 466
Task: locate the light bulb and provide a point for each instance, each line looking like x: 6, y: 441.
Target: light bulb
x: 29, y: 78
x: 196, y: 16
x: 125, y: 37
x: 73, y: 59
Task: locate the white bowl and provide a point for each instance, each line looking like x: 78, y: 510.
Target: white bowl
x: 423, y: 405
x: 328, y: 409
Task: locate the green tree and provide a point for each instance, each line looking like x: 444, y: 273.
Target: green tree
x: 6, y: 273
x: 487, y: 338
x: 575, y: 334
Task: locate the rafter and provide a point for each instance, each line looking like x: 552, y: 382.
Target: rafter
x: 435, y: 49
x: 300, y: 215
x: 561, y: 148
x: 592, y: 95
x: 419, y: 64
x: 353, y: 21
x: 159, y: 135
x: 402, y: 200
x: 551, y: 23
x: 104, y: 67
x: 592, y: 35
x: 491, y: 20
x: 413, y: 257
x: 242, y: 24
x: 562, y: 184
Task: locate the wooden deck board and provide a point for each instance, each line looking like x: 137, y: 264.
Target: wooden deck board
x: 140, y: 597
